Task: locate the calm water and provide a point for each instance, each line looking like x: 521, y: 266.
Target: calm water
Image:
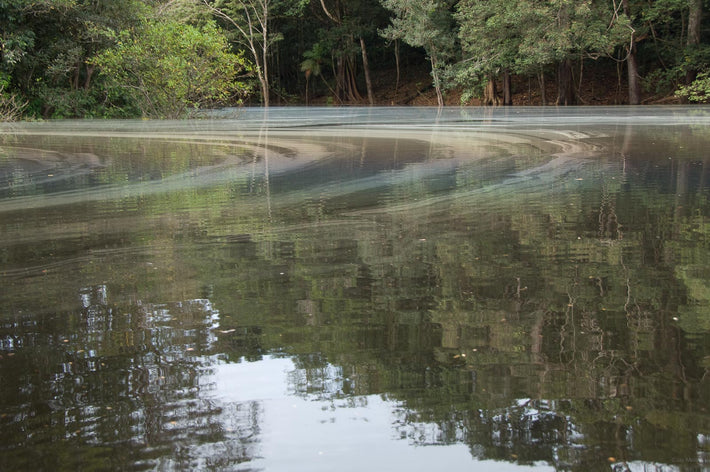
x: 358, y: 289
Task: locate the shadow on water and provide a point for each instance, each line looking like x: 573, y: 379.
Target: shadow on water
x: 348, y: 288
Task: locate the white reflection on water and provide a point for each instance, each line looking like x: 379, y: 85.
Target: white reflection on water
x: 300, y: 433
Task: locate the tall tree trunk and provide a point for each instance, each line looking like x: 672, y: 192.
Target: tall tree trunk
x: 396, y: 58
x: 264, y: 85
x: 490, y: 94
x: 631, y: 63
x: 437, y: 81
x: 507, y: 95
x: 265, y: 59
x: 565, y: 86
x: 340, y: 80
x: 543, y: 88
x: 308, y: 76
x: 695, y: 14
x: 255, y: 35
x: 345, y: 86
x: 634, y: 79
x: 366, y: 67
x: 89, y: 73
x: 351, y: 83
x: 77, y: 74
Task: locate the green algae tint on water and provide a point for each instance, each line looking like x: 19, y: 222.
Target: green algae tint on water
x: 358, y: 289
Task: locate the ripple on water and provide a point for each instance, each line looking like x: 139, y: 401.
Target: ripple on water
x: 208, y: 292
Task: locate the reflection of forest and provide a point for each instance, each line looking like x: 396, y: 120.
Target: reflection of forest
x: 572, y: 331
x: 112, y: 386
x: 564, y: 321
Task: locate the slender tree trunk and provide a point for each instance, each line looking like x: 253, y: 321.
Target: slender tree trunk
x: 437, y: 83
x: 543, y: 92
x: 632, y: 64
x: 565, y: 86
x: 343, y: 83
x: 265, y: 53
x: 77, y: 74
x: 89, y: 73
x: 339, y: 80
x: 507, y: 95
x: 565, y: 83
x: 396, y: 59
x: 255, y: 36
x: 308, y: 76
x: 439, y: 96
x: 366, y: 67
x: 328, y: 14
x: 634, y: 79
x: 435, y: 75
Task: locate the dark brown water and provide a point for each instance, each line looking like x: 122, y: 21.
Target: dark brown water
x: 358, y: 289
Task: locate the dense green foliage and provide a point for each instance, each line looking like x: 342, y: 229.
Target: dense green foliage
x: 167, y: 68
x: 51, y: 51
x: 699, y: 90
x: 427, y: 24
x: 525, y: 37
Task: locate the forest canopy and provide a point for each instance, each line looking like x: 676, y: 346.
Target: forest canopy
x: 166, y: 58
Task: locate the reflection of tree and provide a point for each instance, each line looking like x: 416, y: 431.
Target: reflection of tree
x: 589, y: 342
x: 534, y: 332
x: 122, y: 377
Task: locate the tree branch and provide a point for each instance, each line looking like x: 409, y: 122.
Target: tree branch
x: 325, y: 9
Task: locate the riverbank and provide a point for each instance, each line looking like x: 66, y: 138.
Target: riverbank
x: 595, y: 88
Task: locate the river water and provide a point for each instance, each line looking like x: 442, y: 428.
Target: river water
x: 357, y: 289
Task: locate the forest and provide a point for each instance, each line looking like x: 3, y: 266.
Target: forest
x: 170, y: 58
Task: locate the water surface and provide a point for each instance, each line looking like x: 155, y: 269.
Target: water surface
x: 357, y: 289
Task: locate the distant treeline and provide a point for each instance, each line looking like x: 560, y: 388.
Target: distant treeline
x: 166, y: 58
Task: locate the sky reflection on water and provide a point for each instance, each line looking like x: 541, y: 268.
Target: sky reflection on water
x: 298, y: 432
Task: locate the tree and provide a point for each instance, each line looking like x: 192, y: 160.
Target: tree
x: 312, y: 65
x: 16, y: 37
x: 500, y: 37
x: 167, y: 68
x: 490, y: 33
x: 634, y: 80
x: 428, y: 24
x: 45, y: 46
x: 563, y: 32
x: 660, y: 43
x: 695, y: 15
x: 347, y: 28
x: 251, y: 20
